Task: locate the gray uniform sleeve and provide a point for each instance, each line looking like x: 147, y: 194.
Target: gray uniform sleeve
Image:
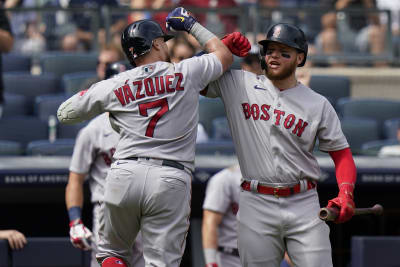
x: 84, y: 151
x: 218, y: 196
x: 88, y: 103
x: 231, y: 80
x: 330, y: 134
x: 203, y: 69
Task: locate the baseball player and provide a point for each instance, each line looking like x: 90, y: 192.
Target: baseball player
x: 91, y: 159
x: 219, y: 228
x: 275, y: 122
x: 155, y: 108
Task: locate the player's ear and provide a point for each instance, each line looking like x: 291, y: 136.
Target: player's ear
x: 300, y: 57
x: 157, y: 43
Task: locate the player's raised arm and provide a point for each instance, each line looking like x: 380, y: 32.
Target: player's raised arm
x: 180, y: 20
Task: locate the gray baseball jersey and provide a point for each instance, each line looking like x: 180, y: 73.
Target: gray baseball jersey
x: 153, y: 106
x: 93, y: 153
x: 275, y: 131
x: 222, y: 195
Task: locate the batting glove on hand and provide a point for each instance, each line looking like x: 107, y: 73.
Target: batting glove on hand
x: 211, y: 265
x: 344, y: 203
x: 79, y: 235
x: 179, y: 19
x: 237, y: 43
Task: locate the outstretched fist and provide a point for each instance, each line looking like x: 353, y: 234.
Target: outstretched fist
x: 237, y: 43
x: 179, y: 19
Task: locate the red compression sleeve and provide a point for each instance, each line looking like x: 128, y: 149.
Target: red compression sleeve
x: 344, y: 165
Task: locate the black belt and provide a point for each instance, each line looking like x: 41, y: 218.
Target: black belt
x: 165, y: 162
x: 230, y: 251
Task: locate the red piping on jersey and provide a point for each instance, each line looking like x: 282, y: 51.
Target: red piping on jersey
x: 344, y: 165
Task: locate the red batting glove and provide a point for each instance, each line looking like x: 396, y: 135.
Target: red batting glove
x: 237, y: 43
x: 211, y: 265
x: 344, y: 203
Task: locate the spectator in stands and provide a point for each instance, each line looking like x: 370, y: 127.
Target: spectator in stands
x: 84, y: 20
x: 349, y: 31
x: 181, y: 49
x: 15, y: 239
x: 6, y: 44
x: 156, y: 4
x: 108, y: 54
x: 394, y: 7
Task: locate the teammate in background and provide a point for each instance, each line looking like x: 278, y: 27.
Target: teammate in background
x: 91, y: 159
x: 155, y: 108
x: 219, y: 228
x: 16, y: 239
x: 275, y: 121
x: 252, y: 61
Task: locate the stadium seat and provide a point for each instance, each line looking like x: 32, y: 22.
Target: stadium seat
x: 22, y: 129
x: 15, y: 105
x: 359, y: 131
x: 73, y: 82
x: 372, y: 148
x: 30, y: 86
x: 44, y: 251
x: 10, y: 148
x: 16, y: 62
x: 330, y: 86
x: 4, y: 259
x: 377, y: 109
x: 60, y: 147
x: 46, y: 105
x: 373, y: 251
x: 60, y: 63
x: 220, y: 130
x: 391, y: 127
x: 65, y: 131
x: 209, y: 109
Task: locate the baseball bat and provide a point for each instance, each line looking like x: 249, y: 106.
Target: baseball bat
x: 330, y: 214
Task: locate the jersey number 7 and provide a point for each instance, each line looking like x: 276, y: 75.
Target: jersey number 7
x: 163, y: 104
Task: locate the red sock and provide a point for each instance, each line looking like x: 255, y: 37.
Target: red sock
x: 113, y: 262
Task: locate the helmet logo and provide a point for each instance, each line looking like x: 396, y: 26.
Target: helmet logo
x: 277, y: 32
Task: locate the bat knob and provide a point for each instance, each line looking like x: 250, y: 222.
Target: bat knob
x: 377, y: 209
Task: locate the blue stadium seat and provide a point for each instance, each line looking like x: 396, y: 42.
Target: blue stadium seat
x: 331, y: 86
x: 373, y: 251
x: 209, y: 109
x: 69, y: 130
x: 60, y: 147
x: 10, y: 148
x: 368, y: 108
x: 16, y: 62
x: 4, y: 260
x: 22, y: 129
x: 74, y: 82
x: 15, y: 105
x: 221, y: 129
x: 390, y: 128
x: 30, y: 86
x: 359, y: 131
x: 60, y: 63
x: 44, y: 251
x: 46, y: 105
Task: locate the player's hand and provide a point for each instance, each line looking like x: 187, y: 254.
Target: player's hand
x: 179, y: 19
x: 344, y: 203
x: 237, y: 43
x: 79, y: 235
x: 213, y: 264
x: 15, y: 239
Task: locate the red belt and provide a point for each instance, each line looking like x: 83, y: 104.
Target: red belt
x: 278, y: 191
